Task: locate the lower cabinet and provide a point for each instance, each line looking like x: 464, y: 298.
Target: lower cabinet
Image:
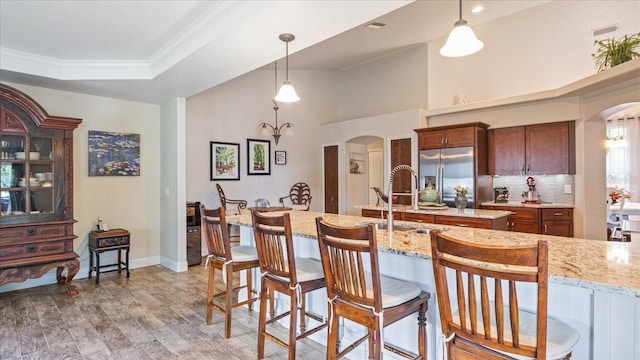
x: 547, y: 221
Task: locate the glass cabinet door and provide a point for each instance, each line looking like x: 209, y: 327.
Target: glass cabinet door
x: 26, y: 177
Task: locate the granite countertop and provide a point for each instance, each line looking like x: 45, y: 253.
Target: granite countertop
x: 470, y: 213
x: 534, y: 206
x: 612, y: 267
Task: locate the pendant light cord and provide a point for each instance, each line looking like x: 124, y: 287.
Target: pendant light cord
x: 460, y: 9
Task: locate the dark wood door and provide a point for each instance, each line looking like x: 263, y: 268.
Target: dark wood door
x: 506, y: 151
x: 550, y: 148
x: 331, y: 179
x: 401, y: 154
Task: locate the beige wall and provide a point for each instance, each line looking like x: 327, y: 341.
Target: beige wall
x: 544, y: 47
x: 122, y: 202
x: 231, y: 113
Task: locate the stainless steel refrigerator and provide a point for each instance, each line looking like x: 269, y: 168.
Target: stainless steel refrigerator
x: 446, y: 168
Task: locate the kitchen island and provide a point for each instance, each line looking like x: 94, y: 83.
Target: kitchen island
x: 593, y: 285
x: 477, y: 218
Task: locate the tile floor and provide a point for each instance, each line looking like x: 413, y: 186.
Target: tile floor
x: 155, y: 314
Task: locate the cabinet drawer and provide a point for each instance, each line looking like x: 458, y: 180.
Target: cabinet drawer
x: 517, y: 212
x: 557, y: 214
x: 108, y: 241
x: 31, y: 232
x: 421, y: 218
x: 373, y: 213
x: 31, y: 250
x: 462, y: 221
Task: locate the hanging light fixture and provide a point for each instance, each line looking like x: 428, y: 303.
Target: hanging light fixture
x: 461, y: 41
x: 287, y: 93
x: 284, y: 129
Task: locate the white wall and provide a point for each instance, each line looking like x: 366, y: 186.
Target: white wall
x: 132, y: 202
x: 231, y: 113
x: 386, y: 85
x: 173, y: 185
x: 544, y: 47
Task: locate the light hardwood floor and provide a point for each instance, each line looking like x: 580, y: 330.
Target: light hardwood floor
x: 154, y: 314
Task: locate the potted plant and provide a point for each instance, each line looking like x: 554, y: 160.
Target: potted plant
x: 612, y: 52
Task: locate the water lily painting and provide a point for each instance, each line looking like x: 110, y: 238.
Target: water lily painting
x: 225, y: 161
x: 114, y: 154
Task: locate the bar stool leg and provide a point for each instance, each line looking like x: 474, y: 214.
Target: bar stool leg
x: 293, y: 319
x: 210, y: 293
x: 262, y: 319
x: 249, y: 288
x: 227, y: 301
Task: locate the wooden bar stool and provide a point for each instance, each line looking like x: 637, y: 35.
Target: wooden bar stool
x: 228, y: 260
x: 484, y: 324
x: 281, y: 271
x: 358, y: 293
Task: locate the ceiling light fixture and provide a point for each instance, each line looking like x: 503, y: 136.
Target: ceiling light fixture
x: 284, y: 129
x: 287, y: 93
x: 461, y: 41
x: 375, y: 25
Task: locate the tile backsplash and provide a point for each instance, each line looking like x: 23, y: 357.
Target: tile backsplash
x: 550, y: 187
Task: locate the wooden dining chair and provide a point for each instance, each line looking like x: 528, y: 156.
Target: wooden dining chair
x: 228, y: 260
x: 287, y: 274
x: 299, y: 196
x: 477, y: 291
x: 225, y: 201
x: 357, y: 292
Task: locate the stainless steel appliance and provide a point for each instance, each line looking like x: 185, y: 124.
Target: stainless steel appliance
x: 446, y: 168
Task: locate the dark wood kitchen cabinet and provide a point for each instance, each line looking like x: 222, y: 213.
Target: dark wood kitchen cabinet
x: 547, y: 221
x: 532, y: 149
x: 36, y: 189
x: 449, y: 136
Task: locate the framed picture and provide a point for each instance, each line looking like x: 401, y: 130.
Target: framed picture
x: 114, y: 154
x: 225, y: 161
x: 258, y: 157
x: 356, y: 163
x: 281, y: 158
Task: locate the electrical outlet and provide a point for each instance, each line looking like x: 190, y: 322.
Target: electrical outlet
x: 567, y: 189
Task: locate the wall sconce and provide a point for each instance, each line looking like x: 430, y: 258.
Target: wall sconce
x: 462, y: 41
x: 287, y: 93
x: 284, y: 129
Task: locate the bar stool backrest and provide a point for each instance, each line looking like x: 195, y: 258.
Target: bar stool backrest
x: 477, y: 310
x: 274, y: 242
x: 216, y: 232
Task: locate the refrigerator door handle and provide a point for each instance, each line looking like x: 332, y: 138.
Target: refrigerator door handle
x: 440, y: 180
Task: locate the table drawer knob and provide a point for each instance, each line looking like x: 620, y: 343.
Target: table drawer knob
x: 31, y: 248
x: 31, y: 231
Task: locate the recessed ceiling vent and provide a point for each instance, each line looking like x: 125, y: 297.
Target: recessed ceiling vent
x: 605, y: 30
x: 375, y: 25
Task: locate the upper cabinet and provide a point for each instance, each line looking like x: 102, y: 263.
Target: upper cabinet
x: 449, y: 138
x: 532, y: 149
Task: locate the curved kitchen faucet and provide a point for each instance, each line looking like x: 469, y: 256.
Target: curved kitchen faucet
x: 390, y: 202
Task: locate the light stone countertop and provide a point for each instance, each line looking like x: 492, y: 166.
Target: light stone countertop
x: 533, y: 206
x: 612, y: 267
x: 470, y: 213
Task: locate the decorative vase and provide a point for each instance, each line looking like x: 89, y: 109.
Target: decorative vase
x: 460, y: 201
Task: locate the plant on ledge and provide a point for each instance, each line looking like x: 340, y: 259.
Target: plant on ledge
x: 612, y: 52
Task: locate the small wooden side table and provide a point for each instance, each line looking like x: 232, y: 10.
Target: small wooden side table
x: 101, y: 241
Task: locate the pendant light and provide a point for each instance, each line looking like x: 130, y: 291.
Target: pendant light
x: 461, y: 41
x: 284, y: 129
x: 287, y: 93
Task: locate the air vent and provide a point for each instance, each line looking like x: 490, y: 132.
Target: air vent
x: 605, y: 30
x: 375, y: 25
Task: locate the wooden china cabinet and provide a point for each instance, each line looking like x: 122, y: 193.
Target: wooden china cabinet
x: 36, y: 189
